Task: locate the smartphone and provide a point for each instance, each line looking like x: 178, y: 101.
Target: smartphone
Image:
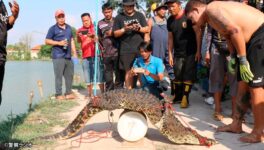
x: 84, y: 32
x: 10, y: 4
x: 131, y: 23
x: 139, y: 70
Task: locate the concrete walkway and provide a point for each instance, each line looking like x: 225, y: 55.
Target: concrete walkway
x: 198, y: 116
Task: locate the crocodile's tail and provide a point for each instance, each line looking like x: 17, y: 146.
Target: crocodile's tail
x: 176, y: 132
x: 76, y: 125
x: 203, y: 141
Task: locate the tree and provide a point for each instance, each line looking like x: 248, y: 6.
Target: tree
x: 26, y: 40
x: 45, y: 51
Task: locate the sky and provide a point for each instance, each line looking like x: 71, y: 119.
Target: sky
x: 37, y: 16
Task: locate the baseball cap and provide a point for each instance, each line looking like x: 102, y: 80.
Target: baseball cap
x: 171, y: 1
x: 59, y: 12
x: 156, y: 6
x: 129, y: 2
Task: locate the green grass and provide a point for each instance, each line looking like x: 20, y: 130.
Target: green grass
x: 8, y: 127
x: 38, y: 122
x: 79, y: 86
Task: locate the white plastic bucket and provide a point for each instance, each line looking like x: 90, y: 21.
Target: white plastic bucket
x: 132, y: 126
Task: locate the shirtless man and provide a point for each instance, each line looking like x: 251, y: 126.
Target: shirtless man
x: 243, y: 27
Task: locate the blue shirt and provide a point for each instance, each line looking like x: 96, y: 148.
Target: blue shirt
x: 155, y: 66
x: 58, y: 34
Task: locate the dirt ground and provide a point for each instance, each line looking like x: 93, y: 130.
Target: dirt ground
x: 198, y: 116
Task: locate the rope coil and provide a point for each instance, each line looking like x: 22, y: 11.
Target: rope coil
x: 93, y: 136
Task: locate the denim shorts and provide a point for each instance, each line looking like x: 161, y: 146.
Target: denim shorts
x: 218, y: 70
x: 88, y: 70
x: 153, y: 89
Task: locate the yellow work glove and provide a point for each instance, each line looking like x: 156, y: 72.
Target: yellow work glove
x: 245, y: 72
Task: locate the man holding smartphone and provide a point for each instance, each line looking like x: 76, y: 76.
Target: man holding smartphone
x: 6, y: 23
x: 149, y: 68
x: 87, y: 38
x: 109, y: 50
x: 129, y: 27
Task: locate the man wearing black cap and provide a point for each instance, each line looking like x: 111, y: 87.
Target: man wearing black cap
x: 129, y: 27
x: 183, y: 41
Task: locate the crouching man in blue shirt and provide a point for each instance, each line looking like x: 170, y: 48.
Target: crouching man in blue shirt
x: 149, y: 68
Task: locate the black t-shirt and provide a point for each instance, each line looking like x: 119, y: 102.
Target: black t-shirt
x: 4, y: 26
x: 130, y: 40
x: 109, y: 44
x: 184, y: 40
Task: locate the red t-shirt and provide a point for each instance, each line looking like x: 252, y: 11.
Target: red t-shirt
x: 87, y: 43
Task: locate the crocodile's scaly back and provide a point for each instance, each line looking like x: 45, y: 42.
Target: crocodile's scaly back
x: 136, y: 100
x: 141, y: 101
x: 164, y: 120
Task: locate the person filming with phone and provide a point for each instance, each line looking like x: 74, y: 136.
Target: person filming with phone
x: 86, y: 36
x: 109, y: 49
x: 149, y: 68
x: 129, y: 28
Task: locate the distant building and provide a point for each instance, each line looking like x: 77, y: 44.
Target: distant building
x: 34, y: 51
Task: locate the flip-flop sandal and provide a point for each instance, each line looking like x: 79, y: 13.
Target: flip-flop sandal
x: 218, y: 116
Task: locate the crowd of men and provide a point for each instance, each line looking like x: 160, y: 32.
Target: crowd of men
x: 133, y: 48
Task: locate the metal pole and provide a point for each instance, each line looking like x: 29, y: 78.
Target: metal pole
x: 96, y: 62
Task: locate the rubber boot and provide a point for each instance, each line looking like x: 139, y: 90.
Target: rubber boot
x: 184, y: 102
x: 185, y: 98
x: 177, y: 91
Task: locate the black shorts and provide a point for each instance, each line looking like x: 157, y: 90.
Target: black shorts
x: 126, y: 61
x: 185, y: 68
x: 255, y: 56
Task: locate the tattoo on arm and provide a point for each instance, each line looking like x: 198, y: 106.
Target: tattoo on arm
x: 218, y: 17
